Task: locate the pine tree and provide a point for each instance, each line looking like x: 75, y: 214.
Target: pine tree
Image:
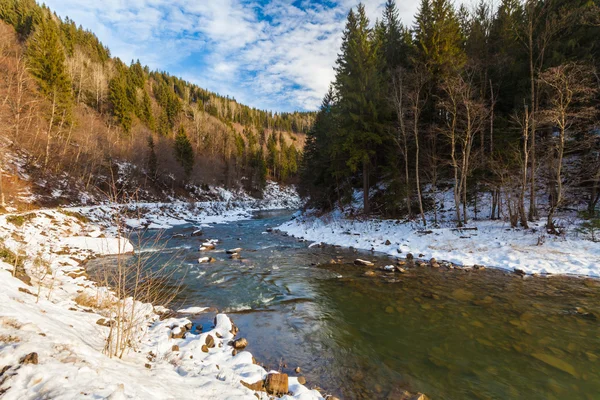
x: 46, y: 61
x: 184, y: 153
x: 122, y: 107
x: 439, y: 39
x: 358, y: 88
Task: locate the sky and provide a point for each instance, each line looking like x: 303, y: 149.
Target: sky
x: 270, y: 54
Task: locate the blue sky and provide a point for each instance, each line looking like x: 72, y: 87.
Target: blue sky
x: 270, y: 54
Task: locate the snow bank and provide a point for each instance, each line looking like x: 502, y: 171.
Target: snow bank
x: 68, y: 336
x: 100, y: 246
x: 490, y: 243
x: 162, y: 216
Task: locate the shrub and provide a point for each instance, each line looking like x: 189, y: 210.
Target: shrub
x: 19, y: 220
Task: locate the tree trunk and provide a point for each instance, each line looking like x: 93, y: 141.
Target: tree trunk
x: 522, y: 215
x: 49, y: 135
x: 417, y: 173
x: 366, y: 187
x: 532, y: 204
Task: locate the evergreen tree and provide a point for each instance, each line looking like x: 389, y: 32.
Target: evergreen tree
x: 122, y: 107
x: 358, y: 88
x: 46, y: 61
x: 184, y: 153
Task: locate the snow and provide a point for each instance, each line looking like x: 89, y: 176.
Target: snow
x: 46, y: 318
x: 100, y: 246
x: 161, y: 216
x: 192, y: 310
x: 490, y: 243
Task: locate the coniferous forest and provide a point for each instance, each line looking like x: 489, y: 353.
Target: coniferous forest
x: 500, y: 100
x: 88, y: 117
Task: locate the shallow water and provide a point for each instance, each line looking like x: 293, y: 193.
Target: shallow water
x: 451, y: 334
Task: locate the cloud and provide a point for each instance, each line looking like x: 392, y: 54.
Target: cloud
x: 270, y: 54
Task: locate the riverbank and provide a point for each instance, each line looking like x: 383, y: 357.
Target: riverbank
x: 53, y: 324
x: 489, y: 243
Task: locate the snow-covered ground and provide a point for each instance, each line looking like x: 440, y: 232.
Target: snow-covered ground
x: 49, y: 319
x: 231, y: 207
x: 492, y: 244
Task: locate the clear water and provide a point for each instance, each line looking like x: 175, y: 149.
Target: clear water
x: 450, y: 334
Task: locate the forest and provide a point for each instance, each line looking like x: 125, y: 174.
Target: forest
x: 84, y: 116
x: 497, y: 101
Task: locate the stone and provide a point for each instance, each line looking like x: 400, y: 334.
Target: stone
x: 297, y: 370
x: 462, y: 295
x: 197, y: 233
x: 205, y: 348
x: 210, y: 341
x: 556, y: 363
x: 234, y: 251
x: 387, y: 242
x: 178, y: 332
x: 235, y: 256
x: 302, y: 380
x: 369, y: 273
x: 409, y: 256
x: 277, y: 384
x: 234, y: 352
x: 104, y: 322
x: 218, y: 335
x: 31, y: 358
x: 432, y: 261
x: 401, y: 270
x: 240, y: 343
x: 148, y: 366
x: 363, y: 263
x: 175, y: 348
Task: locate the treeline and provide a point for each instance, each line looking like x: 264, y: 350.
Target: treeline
x: 80, y: 111
x: 502, y: 101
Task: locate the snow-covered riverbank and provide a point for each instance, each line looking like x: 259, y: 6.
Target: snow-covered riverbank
x: 489, y: 243
x: 53, y: 331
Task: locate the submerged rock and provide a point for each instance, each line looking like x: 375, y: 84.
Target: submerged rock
x: 234, y: 251
x: 556, y: 363
x: 363, y: 263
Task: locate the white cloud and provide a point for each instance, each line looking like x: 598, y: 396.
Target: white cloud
x: 279, y: 55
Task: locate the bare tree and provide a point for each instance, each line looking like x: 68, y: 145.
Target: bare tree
x: 417, y: 98
x: 466, y: 116
x: 402, y: 138
x: 570, y: 88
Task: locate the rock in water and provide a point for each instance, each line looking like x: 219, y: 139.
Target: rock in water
x: 364, y: 263
x: 240, y: 343
x: 197, y: 233
x: 302, y: 380
x: 203, y: 260
x: 277, y: 384
x: 369, y: 273
x: 234, y: 251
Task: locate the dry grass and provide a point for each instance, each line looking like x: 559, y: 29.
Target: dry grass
x: 9, y: 339
x: 98, y: 301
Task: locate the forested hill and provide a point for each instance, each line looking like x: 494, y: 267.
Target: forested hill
x: 501, y: 99
x: 74, y: 111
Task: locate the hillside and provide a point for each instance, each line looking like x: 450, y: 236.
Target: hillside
x: 77, y: 119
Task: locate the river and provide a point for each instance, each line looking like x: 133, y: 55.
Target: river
x: 451, y: 334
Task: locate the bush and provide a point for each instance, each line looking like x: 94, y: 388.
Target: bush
x: 80, y: 217
x: 591, y: 225
x: 19, y: 220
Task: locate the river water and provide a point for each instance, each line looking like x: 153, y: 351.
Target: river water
x: 451, y: 334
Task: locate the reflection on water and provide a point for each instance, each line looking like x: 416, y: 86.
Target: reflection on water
x: 448, y: 333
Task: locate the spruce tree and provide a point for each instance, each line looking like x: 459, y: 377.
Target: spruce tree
x: 184, y: 153
x: 46, y: 61
x: 359, y: 89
